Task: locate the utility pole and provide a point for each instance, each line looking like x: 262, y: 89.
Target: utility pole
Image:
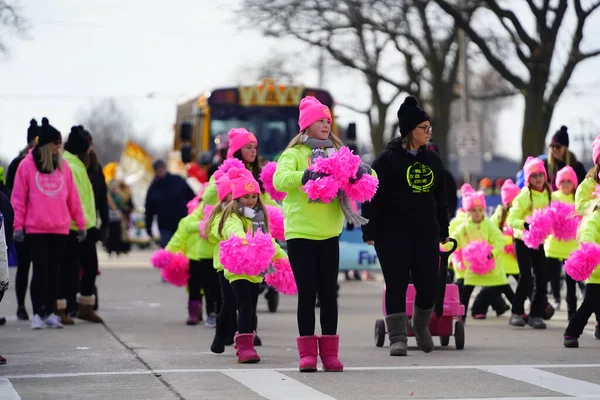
x: 321, y: 68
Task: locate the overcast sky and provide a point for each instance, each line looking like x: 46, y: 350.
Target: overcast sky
x: 80, y: 51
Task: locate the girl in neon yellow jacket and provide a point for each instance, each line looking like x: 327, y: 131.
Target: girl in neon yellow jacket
x: 245, y: 212
x: 243, y: 146
x: 202, y: 276
x: 532, y: 262
x: 506, y: 257
x: 557, y: 251
x: 589, y: 232
x: 480, y: 266
x: 459, y: 218
x: 584, y: 197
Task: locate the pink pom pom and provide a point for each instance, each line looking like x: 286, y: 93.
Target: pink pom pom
x: 193, y: 204
x: 457, y: 260
x: 266, y: 176
x: 276, y: 222
x: 510, y: 249
x: 342, y: 165
x: 478, y: 255
x: 565, y: 221
x: 249, y: 255
x: 161, y: 258
x: 324, y: 189
x: 282, y: 279
x: 508, y: 231
x: 583, y: 261
x: 363, y: 189
x: 202, y: 226
x: 177, y: 271
x: 540, y: 226
x: 231, y: 163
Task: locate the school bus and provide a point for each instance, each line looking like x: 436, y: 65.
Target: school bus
x: 269, y: 110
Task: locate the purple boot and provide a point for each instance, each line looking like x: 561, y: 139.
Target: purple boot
x: 194, y: 311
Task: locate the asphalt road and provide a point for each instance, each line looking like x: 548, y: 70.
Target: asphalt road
x: 145, y: 351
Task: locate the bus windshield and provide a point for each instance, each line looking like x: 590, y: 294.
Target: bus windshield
x: 274, y: 127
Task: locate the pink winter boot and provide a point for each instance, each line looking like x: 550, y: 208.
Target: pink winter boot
x: 307, y: 350
x: 328, y: 350
x: 244, y: 343
x: 194, y: 312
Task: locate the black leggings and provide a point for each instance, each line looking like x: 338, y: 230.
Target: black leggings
x: 532, y: 281
x: 489, y: 295
x: 204, y: 276
x: 246, y: 295
x: 315, y: 264
x: 227, y: 319
x: 47, y: 251
x: 22, y: 278
x: 590, y: 305
x: 554, y: 271
x: 88, y: 263
x: 403, y: 256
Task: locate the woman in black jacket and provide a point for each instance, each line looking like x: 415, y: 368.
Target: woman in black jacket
x: 408, y: 218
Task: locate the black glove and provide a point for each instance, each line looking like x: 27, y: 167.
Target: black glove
x: 490, y: 256
x: 362, y: 169
x: 311, y: 176
x: 526, y: 225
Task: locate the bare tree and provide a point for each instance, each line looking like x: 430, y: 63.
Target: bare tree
x: 11, y: 21
x: 110, y: 128
x: 536, y: 52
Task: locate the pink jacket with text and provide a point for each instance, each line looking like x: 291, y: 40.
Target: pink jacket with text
x: 45, y: 203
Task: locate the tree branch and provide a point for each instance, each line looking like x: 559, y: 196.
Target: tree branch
x: 355, y: 109
x: 497, y: 63
x: 502, y: 13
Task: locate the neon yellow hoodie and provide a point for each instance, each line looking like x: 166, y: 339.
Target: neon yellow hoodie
x: 584, y: 198
x: 84, y: 188
x: 523, y: 207
x: 553, y: 247
x: 589, y: 231
x: 214, y: 239
x: 507, y: 260
x: 188, y: 242
x: 304, y: 219
x: 200, y: 248
x: 469, y: 232
x: 456, y: 222
x: 236, y: 225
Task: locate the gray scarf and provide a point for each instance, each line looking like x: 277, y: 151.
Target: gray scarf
x: 257, y: 215
x: 317, y: 146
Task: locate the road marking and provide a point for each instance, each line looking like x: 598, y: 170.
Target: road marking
x: 7, y: 391
x: 547, y: 380
x: 295, y: 369
x: 274, y: 385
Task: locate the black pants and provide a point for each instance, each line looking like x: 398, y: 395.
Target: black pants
x: 316, y: 264
x: 489, y: 295
x: 532, y: 281
x: 46, y: 251
x: 590, y: 305
x: 22, y: 278
x: 554, y: 270
x: 404, y: 256
x: 69, y: 272
x: 204, y: 276
x: 227, y: 319
x: 88, y: 263
x: 246, y: 295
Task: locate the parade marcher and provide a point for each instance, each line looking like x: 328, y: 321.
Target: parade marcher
x: 120, y: 206
x: 80, y: 257
x: 532, y: 262
x: 560, y: 156
x: 23, y: 257
x: 222, y: 144
x: 167, y: 198
x: 408, y: 218
x: 312, y: 231
x: 46, y: 200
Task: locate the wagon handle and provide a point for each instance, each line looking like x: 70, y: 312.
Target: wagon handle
x: 453, y: 249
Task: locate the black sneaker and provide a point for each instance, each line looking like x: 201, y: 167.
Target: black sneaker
x: 571, y: 342
x: 536, y: 323
x: 22, y: 314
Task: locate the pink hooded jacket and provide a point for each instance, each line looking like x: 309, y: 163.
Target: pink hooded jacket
x: 45, y: 203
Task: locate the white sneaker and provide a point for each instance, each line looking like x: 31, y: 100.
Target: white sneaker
x: 36, y: 322
x: 556, y: 305
x: 53, y: 321
x: 211, y: 321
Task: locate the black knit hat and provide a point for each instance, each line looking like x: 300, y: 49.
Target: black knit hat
x: 86, y: 134
x: 33, y: 131
x: 410, y: 115
x: 77, y: 143
x: 47, y: 133
x: 561, y: 137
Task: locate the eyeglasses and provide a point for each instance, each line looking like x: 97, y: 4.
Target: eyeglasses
x: 426, y: 128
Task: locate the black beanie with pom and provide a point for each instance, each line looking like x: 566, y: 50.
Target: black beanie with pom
x: 410, y: 115
x: 77, y: 143
x: 33, y: 131
x: 47, y: 133
x: 561, y: 137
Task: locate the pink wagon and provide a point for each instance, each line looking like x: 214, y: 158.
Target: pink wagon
x: 448, y: 309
